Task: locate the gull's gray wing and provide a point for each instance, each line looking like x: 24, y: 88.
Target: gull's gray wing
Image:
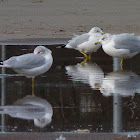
x: 79, y: 40
x: 127, y: 41
x: 26, y: 61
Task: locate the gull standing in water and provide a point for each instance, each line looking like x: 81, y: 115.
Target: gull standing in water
x: 31, y: 64
x: 85, y: 43
x: 120, y: 45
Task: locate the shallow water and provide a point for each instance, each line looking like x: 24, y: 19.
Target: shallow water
x: 97, y: 95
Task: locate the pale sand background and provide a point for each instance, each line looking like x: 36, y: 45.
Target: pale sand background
x: 21, y: 19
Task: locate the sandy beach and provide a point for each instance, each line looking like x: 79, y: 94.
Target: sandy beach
x: 26, y: 19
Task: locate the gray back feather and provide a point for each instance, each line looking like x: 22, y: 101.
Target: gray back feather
x: 26, y: 61
x: 127, y: 41
x: 79, y: 40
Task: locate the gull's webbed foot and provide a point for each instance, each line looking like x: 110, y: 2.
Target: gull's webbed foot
x: 122, y: 64
x: 33, y: 87
x: 85, y: 60
x: 87, y: 57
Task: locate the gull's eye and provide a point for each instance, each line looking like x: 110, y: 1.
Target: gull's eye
x: 103, y: 38
x: 96, y: 31
x: 39, y: 52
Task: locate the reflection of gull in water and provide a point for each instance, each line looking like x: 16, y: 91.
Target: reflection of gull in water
x: 85, y: 43
x: 122, y: 83
x: 30, y: 108
x: 31, y: 64
x: 87, y: 73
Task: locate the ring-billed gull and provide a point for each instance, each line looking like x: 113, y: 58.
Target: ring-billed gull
x: 30, y: 108
x: 120, y: 45
x: 31, y: 64
x: 85, y: 43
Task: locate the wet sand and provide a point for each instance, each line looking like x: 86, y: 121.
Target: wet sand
x: 28, y: 19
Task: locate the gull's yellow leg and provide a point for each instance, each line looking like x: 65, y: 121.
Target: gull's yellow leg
x: 121, y: 67
x: 122, y: 64
x: 121, y: 61
x: 85, y: 60
x: 97, y: 86
x: 89, y: 57
x: 33, y: 87
x: 86, y: 56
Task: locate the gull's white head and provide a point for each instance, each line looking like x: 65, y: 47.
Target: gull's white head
x: 42, y: 50
x: 42, y: 122
x: 105, y: 38
x: 106, y: 91
x: 95, y: 30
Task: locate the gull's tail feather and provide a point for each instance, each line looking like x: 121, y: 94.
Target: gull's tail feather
x: 68, y: 46
x: 75, y: 35
x: 2, y: 66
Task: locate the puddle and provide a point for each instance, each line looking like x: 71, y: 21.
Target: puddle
x: 95, y: 96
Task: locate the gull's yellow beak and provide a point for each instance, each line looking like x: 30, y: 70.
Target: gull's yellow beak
x: 97, y: 86
x: 102, y: 33
x: 97, y: 43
